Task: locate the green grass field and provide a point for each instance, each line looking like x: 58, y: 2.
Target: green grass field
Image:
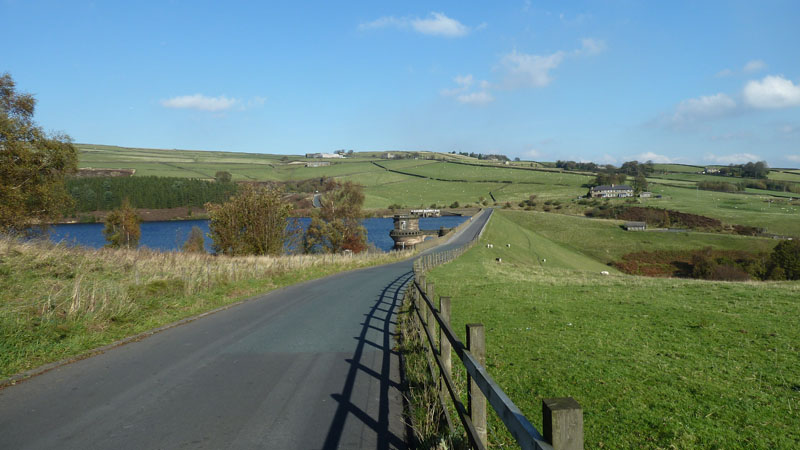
x: 678, y: 168
x: 384, y: 188
x: 655, y: 363
x: 777, y: 215
x: 605, y: 240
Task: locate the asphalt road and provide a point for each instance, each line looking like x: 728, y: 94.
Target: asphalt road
x: 307, y: 367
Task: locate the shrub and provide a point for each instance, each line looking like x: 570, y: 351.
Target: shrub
x: 122, y: 227
x: 254, y: 222
x: 729, y: 272
x: 454, y: 204
x: 196, y: 242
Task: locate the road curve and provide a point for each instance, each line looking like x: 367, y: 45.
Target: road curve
x: 306, y: 367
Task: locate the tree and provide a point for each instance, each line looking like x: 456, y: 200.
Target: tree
x: 33, y: 164
x: 336, y: 226
x: 222, y: 176
x: 253, y: 222
x: 785, y: 260
x: 122, y: 227
x: 640, y: 183
x: 196, y: 243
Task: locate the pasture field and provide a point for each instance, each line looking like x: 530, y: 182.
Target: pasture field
x: 785, y: 175
x: 451, y: 171
x: 654, y: 363
x: 776, y: 215
x: 384, y: 188
x: 677, y: 168
x: 605, y: 240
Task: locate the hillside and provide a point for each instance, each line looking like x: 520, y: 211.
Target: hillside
x: 443, y: 179
x: 654, y: 363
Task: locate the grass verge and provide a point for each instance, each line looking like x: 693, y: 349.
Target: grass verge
x: 58, y: 302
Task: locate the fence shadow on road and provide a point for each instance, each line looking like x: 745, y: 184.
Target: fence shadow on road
x: 379, y: 321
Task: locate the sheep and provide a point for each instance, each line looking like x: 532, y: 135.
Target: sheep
x: 605, y: 272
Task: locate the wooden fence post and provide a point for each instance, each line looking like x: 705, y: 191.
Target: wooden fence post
x: 429, y: 317
x: 563, y: 423
x: 445, y: 348
x: 476, y: 344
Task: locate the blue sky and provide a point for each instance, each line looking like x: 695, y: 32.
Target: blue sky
x: 605, y: 81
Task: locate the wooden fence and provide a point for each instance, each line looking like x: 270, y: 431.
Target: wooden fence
x: 563, y: 417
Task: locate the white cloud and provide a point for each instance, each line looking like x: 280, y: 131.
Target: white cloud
x: 736, y: 158
x: 651, y: 156
x: 724, y: 73
x: 709, y: 105
x: 475, y: 98
x: 754, y: 66
x: 526, y: 70
x: 201, y: 102
x: 705, y: 107
x: 607, y: 159
x: 533, y: 153
x: 256, y: 101
x: 462, y: 92
x: 465, y: 80
x: 793, y: 158
x: 436, y: 24
x: 383, y: 22
x: 591, y: 46
x: 772, y: 91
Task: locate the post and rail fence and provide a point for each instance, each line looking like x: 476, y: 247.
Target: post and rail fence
x: 562, y: 417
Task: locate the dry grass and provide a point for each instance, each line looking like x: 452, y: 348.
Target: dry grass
x: 57, y: 302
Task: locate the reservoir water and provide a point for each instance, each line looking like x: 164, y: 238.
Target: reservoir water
x: 170, y: 235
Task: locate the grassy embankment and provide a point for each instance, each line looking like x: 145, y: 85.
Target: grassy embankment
x: 655, y: 363
x: 58, y: 302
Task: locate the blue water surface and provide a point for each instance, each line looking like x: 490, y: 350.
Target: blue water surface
x: 170, y: 235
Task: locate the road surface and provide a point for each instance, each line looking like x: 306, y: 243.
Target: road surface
x: 306, y: 367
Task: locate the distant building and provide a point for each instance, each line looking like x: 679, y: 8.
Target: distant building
x: 710, y: 170
x: 635, y: 226
x: 613, y: 191
x: 646, y: 194
x: 388, y: 155
x: 427, y: 212
x: 323, y: 155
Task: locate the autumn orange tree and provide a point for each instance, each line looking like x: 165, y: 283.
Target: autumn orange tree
x: 336, y: 226
x: 33, y: 164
